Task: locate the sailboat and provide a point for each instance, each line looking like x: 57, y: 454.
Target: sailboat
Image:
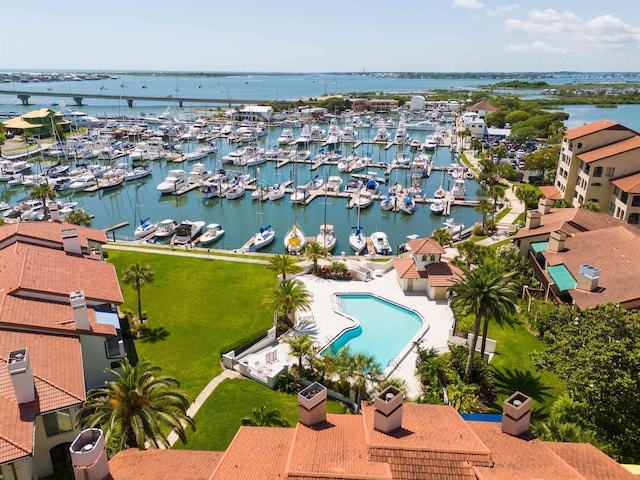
x: 356, y: 239
x: 295, y: 239
x: 326, y: 237
x: 265, y: 235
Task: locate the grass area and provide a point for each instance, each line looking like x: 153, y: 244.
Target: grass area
x: 220, y: 416
x: 519, y: 220
x: 502, y: 213
x: 514, y: 370
x: 198, y: 251
x: 196, y: 308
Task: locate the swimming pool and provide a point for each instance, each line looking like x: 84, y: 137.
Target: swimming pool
x: 384, y: 329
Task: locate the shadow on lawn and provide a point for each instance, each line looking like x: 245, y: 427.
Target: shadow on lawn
x: 153, y: 335
x: 509, y: 380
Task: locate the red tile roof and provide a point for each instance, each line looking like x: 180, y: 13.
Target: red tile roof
x: 426, y: 246
x: 617, y: 148
x: 406, y: 268
x: 163, y: 464
x: 629, y: 183
x: 551, y: 192
x: 443, y: 274
x: 49, y: 232
x: 589, y: 461
x: 56, y: 363
x: 594, y: 127
x: 482, y: 105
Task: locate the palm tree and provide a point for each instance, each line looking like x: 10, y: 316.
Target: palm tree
x: 287, y: 297
x: 301, y: 346
x: 314, y: 251
x: 527, y: 196
x: 442, y: 236
x: 79, y: 217
x: 470, y: 253
x: 261, y: 417
x: 362, y: 368
x: 284, y: 264
x: 485, y: 207
x: 496, y: 192
x: 139, y: 406
x: 44, y: 193
x: 489, y: 292
x: 138, y: 275
x: 591, y: 206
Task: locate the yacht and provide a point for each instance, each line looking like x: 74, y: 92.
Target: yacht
x: 326, y: 237
x: 363, y: 200
x: 300, y: 194
x: 295, y: 240
x: 166, y: 228
x: 264, y: 237
x: 458, y: 191
x: 186, y: 232
x: 305, y: 135
x: 455, y: 229
x: 213, y: 232
x: 286, y: 136
x: 199, y: 173
x: 334, y: 135
x: 334, y: 183
x: 145, y: 228
x: 83, y: 182
x: 349, y: 135
x: 437, y: 206
x: 175, y: 180
x: 380, y: 243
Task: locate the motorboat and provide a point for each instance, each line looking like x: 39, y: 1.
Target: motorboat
x: 277, y: 191
x: 175, y: 180
x: 137, y: 173
x: 264, y: 237
x: 295, y: 240
x: 212, y: 233
x: 458, y: 191
x: 421, y: 125
x: 300, y: 194
x: 305, y: 135
x: 363, y: 200
x: 380, y: 243
x: 353, y: 185
x: 235, y: 156
x: 260, y: 192
x: 145, y: 228
x: 286, y: 136
x: 213, y: 190
x: 186, y: 232
x: 236, y: 191
x: 349, y: 134
x: 357, y: 240
x: 326, y: 237
x: 437, y: 206
x: 83, y: 182
x: 334, y: 134
x: 166, y: 228
x: 199, y: 173
x: 334, y: 183
x: 468, y: 174
x: 455, y: 229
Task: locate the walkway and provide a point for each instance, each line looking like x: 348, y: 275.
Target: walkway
x: 184, y: 253
x: 202, y: 397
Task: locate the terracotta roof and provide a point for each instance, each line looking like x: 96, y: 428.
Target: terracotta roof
x: 589, y: 461
x: 617, y: 148
x: 255, y: 452
x: 49, y: 232
x: 594, y: 127
x: 482, y: 105
x: 406, y: 268
x: 56, y: 363
x: 426, y: 245
x: 443, y: 274
x: 628, y: 183
x: 333, y: 449
x: 616, y: 251
x: 160, y: 464
x: 434, y: 442
x: 53, y: 272
x: 551, y: 192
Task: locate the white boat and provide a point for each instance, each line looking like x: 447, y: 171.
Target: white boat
x: 357, y: 241
x: 458, y: 191
x: 408, y: 204
x: 83, y: 182
x: 236, y: 191
x: 437, y: 206
x: 334, y: 183
x: 439, y: 193
x: 326, y: 237
x: 454, y: 229
x: 295, y: 240
x: 186, y: 232
x: 276, y: 192
x: 137, y: 173
x: 421, y: 125
x: 199, y: 173
x: 380, y: 243
x: 388, y: 202
x: 213, y: 190
x: 334, y: 134
x: 468, y: 174
x: 195, y: 155
x: 145, y: 228
x: 286, y: 136
x: 300, y: 194
x: 363, y: 200
x: 349, y: 134
x: 264, y: 237
x: 305, y: 135
x: 166, y: 228
x: 235, y: 156
x: 213, y: 232
x: 175, y: 180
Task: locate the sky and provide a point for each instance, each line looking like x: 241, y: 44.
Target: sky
x: 320, y: 35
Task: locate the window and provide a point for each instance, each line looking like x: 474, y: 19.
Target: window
x: 597, y: 172
x: 580, y: 199
x: 596, y: 184
x: 624, y: 198
x: 579, y: 145
x: 587, y: 169
x: 57, y: 422
x: 424, y: 258
x: 635, y: 202
x: 609, y: 171
x: 634, y: 218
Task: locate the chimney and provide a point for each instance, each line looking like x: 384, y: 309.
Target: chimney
x: 71, y: 241
x: 588, y: 277
x: 533, y: 219
x: 80, y: 311
x: 544, y: 205
x: 516, y: 414
x: 556, y: 241
x: 54, y: 214
x: 312, y: 404
x: 387, y: 416
x: 88, y: 456
x: 21, y: 376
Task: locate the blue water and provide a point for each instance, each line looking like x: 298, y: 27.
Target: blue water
x: 384, y: 330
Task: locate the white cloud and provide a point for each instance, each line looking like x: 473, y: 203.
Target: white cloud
x: 500, y: 10
x: 467, y: 4
x: 554, y: 32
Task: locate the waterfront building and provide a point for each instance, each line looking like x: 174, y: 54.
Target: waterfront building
x: 581, y: 257
x: 59, y: 331
x: 482, y: 108
x: 374, y: 104
x: 38, y: 122
x: 254, y: 113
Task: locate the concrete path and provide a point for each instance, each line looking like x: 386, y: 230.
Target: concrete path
x: 202, y: 397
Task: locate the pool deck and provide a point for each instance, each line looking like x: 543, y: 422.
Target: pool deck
x: 323, y: 324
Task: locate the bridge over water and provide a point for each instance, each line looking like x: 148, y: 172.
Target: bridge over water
x: 24, y: 96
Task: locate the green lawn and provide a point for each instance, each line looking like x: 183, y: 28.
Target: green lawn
x: 197, y: 307
x: 219, y: 418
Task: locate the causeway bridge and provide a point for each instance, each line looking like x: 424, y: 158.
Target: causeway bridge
x: 24, y: 96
